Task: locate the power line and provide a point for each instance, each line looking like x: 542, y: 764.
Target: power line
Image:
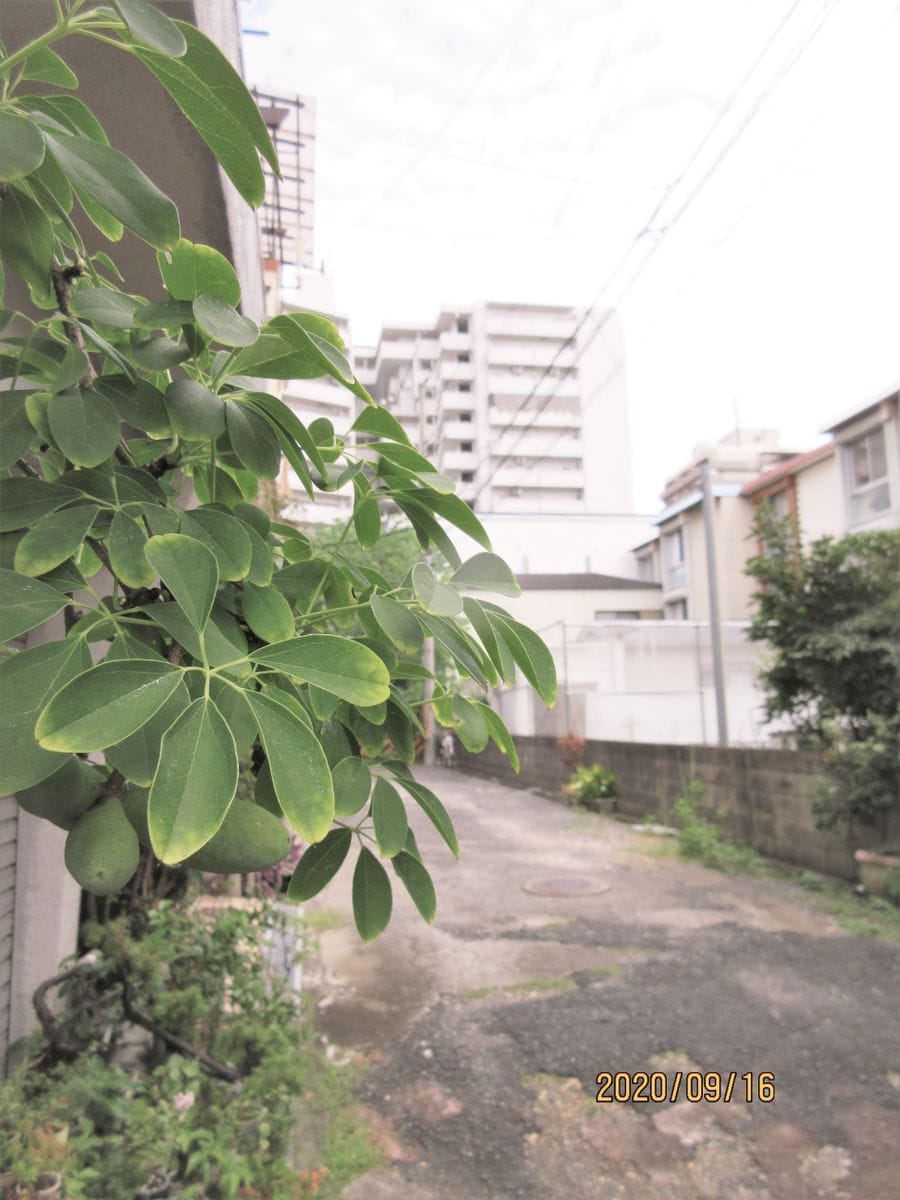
x: 787, y: 65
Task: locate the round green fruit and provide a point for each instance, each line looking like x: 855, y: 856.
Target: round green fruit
x: 64, y: 795
x: 249, y: 839
x: 102, y: 850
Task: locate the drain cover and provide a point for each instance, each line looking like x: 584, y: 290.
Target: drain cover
x: 571, y: 885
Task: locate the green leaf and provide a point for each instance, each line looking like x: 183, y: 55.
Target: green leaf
x: 118, y: 186
x: 222, y: 644
x: 46, y: 66
x: 53, y: 539
x: 137, y: 756
x: 191, y: 269
x: 459, y: 645
x: 106, y: 704
x: 470, y: 725
x: 398, y: 623
x: 261, y: 565
x: 253, y: 440
x: 125, y: 545
x: 428, y: 530
x: 371, y: 896
x: 380, y: 423
x: 367, y: 521
x: 300, y: 774
x: 160, y: 353
x: 312, y: 346
x: 149, y: 27
x: 533, y: 658
x: 85, y: 426
x: 389, y: 818
x: 233, y: 706
x: 418, y: 884
x: 137, y: 402
x: 27, y: 242
x: 189, y: 571
x: 24, y: 500
x: 435, y: 597
x: 25, y: 603
x: 223, y: 323
x: 27, y: 680
x: 319, y: 865
x: 486, y: 573
x: 106, y: 305
x: 352, y: 784
x: 267, y: 613
x: 482, y: 626
x: 195, y: 411
x: 286, y: 420
x: 214, y: 122
x: 70, y: 112
x: 16, y: 431
x: 224, y: 535
x: 208, y: 63
x: 500, y: 735
x: 194, y: 783
x: 166, y: 315
x: 335, y: 664
x: 323, y: 704
x: 71, y: 369
x: 433, y: 809
x: 22, y: 148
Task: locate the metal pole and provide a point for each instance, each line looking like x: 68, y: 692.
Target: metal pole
x: 428, y: 651
x: 715, y: 621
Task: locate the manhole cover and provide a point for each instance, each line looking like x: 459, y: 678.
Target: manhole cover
x: 572, y: 885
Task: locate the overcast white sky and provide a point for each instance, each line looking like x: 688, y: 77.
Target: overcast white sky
x: 515, y: 149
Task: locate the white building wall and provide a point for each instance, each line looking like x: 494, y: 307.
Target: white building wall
x: 820, y: 500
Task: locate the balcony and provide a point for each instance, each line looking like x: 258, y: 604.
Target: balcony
x: 530, y: 446
x: 537, y: 477
x: 452, y: 341
x: 508, y: 383
x: 527, y: 325
x: 454, y: 372
x: 458, y: 460
x: 550, y: 418
x: 514, y: 354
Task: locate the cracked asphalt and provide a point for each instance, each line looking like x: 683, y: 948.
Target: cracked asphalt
x: 484, y: 1034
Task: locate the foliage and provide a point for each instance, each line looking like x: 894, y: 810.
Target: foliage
x: 700, y: 840
x: 594, y: 782
x: 136, y: 438
x: 109, y: 1130
x: 830, y: 614
x: 571, y: 749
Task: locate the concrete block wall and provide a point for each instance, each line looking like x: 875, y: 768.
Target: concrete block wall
x: 761, y: 798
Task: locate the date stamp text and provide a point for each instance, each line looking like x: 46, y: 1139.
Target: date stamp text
x: 697, y: 1087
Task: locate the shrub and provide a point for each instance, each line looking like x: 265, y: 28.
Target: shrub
x: 591, y: 783
x: 700, y: 840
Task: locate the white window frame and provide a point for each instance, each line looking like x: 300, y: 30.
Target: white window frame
x: 859, y: 496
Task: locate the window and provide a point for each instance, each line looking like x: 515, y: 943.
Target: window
x: 676, y: 610
x: 465, y: 387
x: 645, y: 568
x: 467, y: 476
x: 462, y: 358
x: 673, y: 545
x: 462, y: 324
x: 868, y: 485
x: 467, y: 447
x: 602, y: 614
x: 465, y: 416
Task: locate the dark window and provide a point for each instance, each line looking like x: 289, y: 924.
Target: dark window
x: 462, y: 324
x: 465, y: 387
x: 465, y: 416
x: 467, y: 447
x: 462, y: 358
x: 467, y: 476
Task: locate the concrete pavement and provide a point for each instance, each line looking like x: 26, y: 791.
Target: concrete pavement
x: 485, y: 1033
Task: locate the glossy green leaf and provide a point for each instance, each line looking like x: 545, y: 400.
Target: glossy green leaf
x: 137, y: 756
x: 470, y: 724
x: 262, y: 567
x: 53, y: 539
x: 459, y: 645
x: 478, y: 620
x: 435, y: 597
x: 137, y: 402
x: 106, y: 305
x: 25, y: 603
x: 85, y: 426
x: 429, y: 531
x: 367, y: 521
x: 388, y: 818
x: 310, y: 344
x: 319, y: 865
x: 195, y: 411
x: 160, y: 353
x: 16, y: 431
x: 372, y: 898
x: 194, y: 783
x: 433, y: 809
x: 287, y: 420
x: 22, y: 148
x: 380, y: 423
x: 398, y: 623
x: 27, y: 242
x: 72, y: 368
x: 215, y: 123
x: 27, y: 681
x: 125, y: 545
x: 223, y: 323
x: 418, y: 884
x: 500, y: 735
x: 24, y: 500
x: 189, y: 571
x: 46, y: 66
x: 191, y: 269
x: 257, y: 518
x: 118, y: 186
x: 149, y: 27
x: 300, y: 774
x: 267, y: 613
x: 335, y: 664
x: 253, y: 440
x: 352, y: 784
x: 106, y: 704
x: 225, y: 536
x: 233, y: 706
x: 323, y: 704
x: 168, y: 314
x: 486, y: 573
x: 222, y: 643
x: 531, y: 655
x: 264, y: 792
x: 70, y: 112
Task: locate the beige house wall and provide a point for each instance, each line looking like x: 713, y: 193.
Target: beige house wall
x: 540, y: 609
x: 820, y: 500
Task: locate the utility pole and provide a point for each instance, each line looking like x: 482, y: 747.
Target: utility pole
x: 428, y: 650
x: 715, y: 621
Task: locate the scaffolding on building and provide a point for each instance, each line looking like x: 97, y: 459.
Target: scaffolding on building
x: 286, y: 215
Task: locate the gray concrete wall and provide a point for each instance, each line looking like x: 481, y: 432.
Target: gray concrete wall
x: 762, y: 798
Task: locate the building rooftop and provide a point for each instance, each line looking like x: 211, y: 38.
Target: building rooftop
x: 791, y: 467
x: 581, y: 581
x: 892, y: 393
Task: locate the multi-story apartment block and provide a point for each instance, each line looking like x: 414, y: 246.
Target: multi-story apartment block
x: 523, y: 406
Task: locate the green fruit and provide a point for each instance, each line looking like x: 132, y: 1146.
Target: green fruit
x: 249, y: 839
x: 102, y: 850
x: 134, y: 802
x: 66, y: 794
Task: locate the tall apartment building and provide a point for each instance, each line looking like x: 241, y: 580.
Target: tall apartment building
x: 523, y: 405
